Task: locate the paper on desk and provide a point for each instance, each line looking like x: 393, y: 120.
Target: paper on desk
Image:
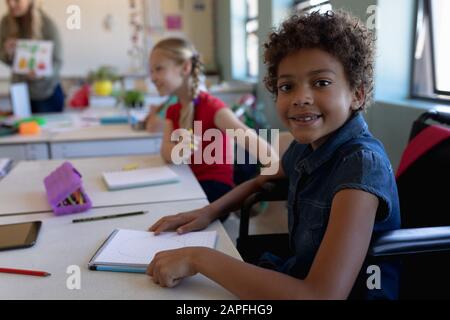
x: 67, y: 123
x: 138, y: 248
x: 139, y: 178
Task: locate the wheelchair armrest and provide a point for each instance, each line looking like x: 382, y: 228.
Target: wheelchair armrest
x: 437, y: 114
x: 276, y: 190
x: 410, y: 241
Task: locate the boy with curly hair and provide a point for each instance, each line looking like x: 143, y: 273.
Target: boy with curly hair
x: 342, y: 188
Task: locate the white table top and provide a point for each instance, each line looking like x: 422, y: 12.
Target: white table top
x: 62, y: 244
x: 43, y: 137
x: 22, y: 191
x: 108, y: 132
x: 70, y: 126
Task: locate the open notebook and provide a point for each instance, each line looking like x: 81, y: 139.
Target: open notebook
x: 139, y: 178
x: 132, y: 251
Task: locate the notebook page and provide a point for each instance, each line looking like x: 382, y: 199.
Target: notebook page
x: 139, y: 247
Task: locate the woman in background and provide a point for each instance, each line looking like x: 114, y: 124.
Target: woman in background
x: 26, y: 21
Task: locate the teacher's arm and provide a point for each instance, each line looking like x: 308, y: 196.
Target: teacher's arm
x: 52, y: 34
x: 5, y: 56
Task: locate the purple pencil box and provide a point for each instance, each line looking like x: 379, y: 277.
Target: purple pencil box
x: 61, y: 185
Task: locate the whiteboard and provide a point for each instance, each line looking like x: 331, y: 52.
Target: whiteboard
x: 92, y: 45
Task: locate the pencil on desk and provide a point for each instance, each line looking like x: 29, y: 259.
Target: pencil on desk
x: 122, y: 215
x: 25, y: 272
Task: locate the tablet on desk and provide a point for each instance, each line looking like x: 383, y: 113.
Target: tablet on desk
x: 17, y: 236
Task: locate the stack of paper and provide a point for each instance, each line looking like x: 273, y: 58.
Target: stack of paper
x: 139, y: 178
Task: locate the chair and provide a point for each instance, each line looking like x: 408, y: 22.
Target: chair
x: 420, y: 247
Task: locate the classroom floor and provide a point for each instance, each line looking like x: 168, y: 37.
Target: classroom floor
x: 272, y: 220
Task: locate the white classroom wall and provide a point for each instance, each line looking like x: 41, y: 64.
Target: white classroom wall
x: 93, y: 45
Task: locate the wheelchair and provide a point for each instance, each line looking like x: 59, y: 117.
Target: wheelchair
x: 422, y: 246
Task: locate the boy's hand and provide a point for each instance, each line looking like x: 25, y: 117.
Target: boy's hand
x: 168, y: 268
x: 183, y: 222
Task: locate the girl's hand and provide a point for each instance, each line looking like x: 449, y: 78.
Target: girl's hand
x: 183, y: 222
x: 168, y: 268
x: 10, y: 47
x: 153, y: 123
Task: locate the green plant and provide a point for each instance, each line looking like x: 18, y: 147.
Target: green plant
x: 104, y: 73
x: 134, y: 99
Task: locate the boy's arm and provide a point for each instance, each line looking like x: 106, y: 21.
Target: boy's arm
x: 335, y: 267
x: 201, y: 218
x: 332, y: 275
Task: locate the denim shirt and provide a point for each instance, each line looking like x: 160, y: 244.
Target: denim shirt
x: 350, y: 159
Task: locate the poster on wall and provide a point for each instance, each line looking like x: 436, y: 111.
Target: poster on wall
x: 174, y: 22
x: 34, y: 56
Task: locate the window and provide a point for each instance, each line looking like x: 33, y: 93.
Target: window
x: 308, y: 6
x: 431, y: 77
x: 440, y: 25
x: 251, y: 38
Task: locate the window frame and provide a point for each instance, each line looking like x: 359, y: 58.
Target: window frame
x: 433, y: 52
x: 309, y: 8
x: 435, y: 95
x: 250, y: 19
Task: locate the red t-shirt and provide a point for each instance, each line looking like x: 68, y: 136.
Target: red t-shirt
x: 205, y: 110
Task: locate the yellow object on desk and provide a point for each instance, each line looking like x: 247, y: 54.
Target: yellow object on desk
x: 130, y: 167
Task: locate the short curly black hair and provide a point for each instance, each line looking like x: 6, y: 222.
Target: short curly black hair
x: 336, y: 32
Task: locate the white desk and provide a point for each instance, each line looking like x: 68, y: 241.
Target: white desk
x: 25, y: 147
x: 62, y: 244
x: 22, y: 191
x: 101, y: 141
x: 66, y: 136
